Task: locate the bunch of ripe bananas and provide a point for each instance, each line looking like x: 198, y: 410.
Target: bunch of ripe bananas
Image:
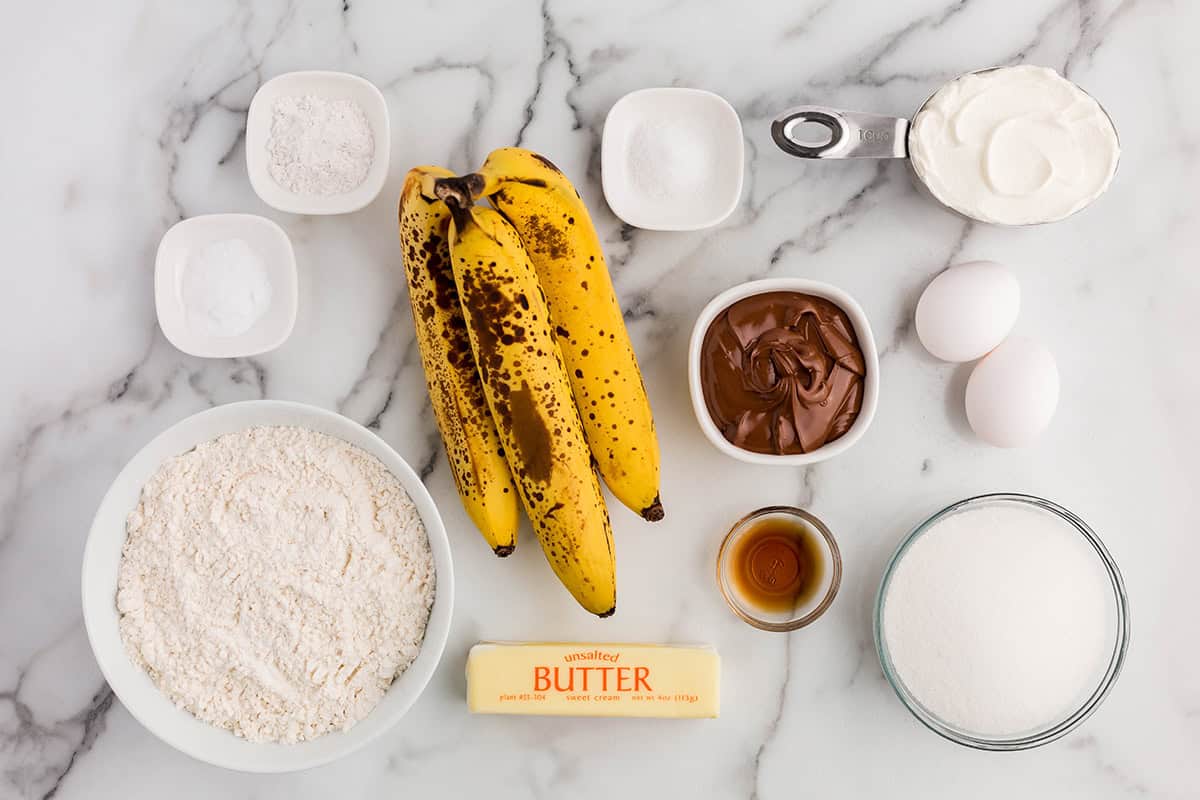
x: 532, y: 377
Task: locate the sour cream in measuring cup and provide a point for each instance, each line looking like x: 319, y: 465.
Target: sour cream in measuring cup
x: 1014, y: 146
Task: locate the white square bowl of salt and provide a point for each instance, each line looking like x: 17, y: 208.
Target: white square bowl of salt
x: 672, y: 159
x: 225, y: 285
x: 317, y: 142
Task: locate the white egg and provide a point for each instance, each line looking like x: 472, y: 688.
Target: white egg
x: 967, y: 310
x: 1012, y: 393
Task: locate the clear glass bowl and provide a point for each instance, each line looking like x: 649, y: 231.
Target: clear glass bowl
x: 1055, y: 728
x: 804, y: 614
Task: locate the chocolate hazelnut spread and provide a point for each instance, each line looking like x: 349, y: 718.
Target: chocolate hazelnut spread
x: 782, y: 372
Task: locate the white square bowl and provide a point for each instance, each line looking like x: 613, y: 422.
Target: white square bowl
x: 711, y: 116
x: 866, y: 341
x: 331, y: 86
x: 269, y: 243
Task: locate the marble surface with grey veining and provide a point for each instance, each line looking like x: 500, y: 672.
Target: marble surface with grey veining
x: 122, y: 118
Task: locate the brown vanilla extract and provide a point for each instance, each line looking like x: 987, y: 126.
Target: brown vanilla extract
x: 777, y: 564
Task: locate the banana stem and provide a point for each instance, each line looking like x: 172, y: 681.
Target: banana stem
x: 461, y: 191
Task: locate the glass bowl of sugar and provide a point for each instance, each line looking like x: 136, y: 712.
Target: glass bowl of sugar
x: 1002, y: 622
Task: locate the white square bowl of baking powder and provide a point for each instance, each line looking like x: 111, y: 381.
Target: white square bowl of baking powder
x: 328, y: 87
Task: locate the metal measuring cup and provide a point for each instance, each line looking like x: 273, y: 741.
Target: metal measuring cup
x: 859, y: 134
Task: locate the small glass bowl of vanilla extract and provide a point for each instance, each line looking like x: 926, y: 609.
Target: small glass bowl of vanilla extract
x: 779, y: 568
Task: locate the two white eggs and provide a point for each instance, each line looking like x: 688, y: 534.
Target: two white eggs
x: 967, y: 313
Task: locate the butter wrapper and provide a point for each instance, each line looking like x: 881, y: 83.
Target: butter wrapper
x: 594, y: 680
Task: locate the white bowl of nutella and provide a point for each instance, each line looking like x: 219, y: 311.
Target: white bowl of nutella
x: 1018, y: 145
x: 783, y: 371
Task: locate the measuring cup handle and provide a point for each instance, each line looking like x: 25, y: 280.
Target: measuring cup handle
x: 852, y: 134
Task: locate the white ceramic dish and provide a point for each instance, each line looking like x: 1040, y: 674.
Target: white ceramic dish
x: 268, y: 241
x: 333, y: 86
x: 178, y: 728
x: 866, y: 340
x: 712, y: 117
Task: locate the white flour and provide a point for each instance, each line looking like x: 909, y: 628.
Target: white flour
x: 275, y: 582
x: 319, y: 147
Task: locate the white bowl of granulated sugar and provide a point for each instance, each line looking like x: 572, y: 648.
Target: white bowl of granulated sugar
x: 317, y: 142
x: 267, y: 586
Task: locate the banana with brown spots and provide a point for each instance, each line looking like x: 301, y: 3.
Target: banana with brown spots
x: 544, y: 207
x: 526, y: 386
x: 473, y: 448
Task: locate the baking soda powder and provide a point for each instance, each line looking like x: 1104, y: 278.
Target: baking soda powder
x: 224, y: 288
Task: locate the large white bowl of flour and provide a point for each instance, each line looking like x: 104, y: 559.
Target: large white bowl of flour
x: 102, y: 564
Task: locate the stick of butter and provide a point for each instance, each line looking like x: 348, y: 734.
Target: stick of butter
x: 594, y: 680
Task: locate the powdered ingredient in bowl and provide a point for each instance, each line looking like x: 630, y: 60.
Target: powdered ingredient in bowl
x: 319, y: 147
x: 224, y: 288
x: 671, y: 160
x: 998, y: 620
x: 275, y: 582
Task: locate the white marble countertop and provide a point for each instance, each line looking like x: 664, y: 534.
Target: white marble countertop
x: 121, y: 118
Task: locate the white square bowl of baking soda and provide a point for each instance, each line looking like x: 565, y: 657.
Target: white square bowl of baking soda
x: 317, y: 142
x: 225, y: 285
x: 672, y: 159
